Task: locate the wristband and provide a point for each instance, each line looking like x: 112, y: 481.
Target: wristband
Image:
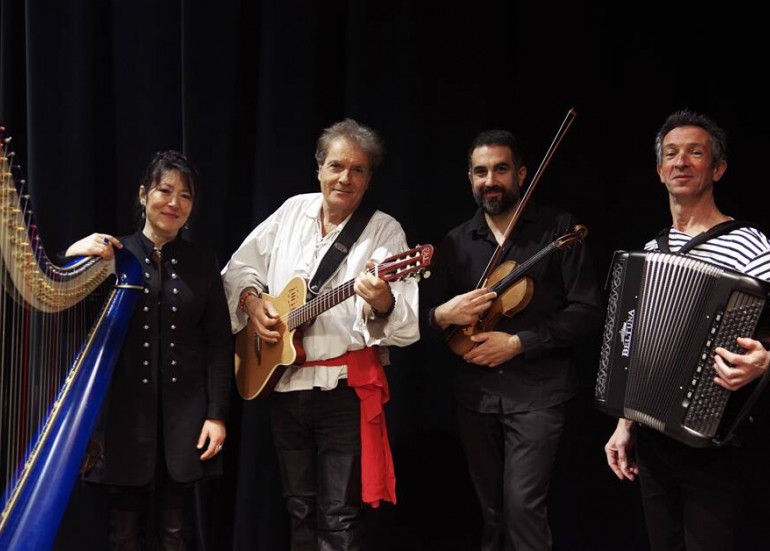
x: 246, y: 294
x: 376, y: 314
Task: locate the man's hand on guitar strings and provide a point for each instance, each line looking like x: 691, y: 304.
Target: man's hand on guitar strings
x: 736, y: 370
x: 262, y: 316
x: 374, y: 290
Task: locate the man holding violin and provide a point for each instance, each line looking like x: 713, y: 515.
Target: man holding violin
x: 513, y: 342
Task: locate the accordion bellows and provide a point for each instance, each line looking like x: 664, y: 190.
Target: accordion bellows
x: 666, y: 313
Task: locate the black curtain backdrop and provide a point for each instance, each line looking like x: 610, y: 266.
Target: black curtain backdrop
x: 90, y: 89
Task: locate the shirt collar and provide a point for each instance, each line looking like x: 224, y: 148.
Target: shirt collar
x: 480, y: 229
x: 313, y: 211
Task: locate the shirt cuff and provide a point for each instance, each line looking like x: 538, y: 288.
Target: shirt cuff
x: 530, y: 341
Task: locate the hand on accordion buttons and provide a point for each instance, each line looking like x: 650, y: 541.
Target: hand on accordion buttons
x: 737, y: 370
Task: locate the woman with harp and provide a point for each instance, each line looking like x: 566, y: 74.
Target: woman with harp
x: 162, y: 427
x: 163, y: 406
x: 514, y: 380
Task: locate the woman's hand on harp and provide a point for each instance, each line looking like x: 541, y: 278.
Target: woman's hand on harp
x: 736, y: 370
x: 96, y: 244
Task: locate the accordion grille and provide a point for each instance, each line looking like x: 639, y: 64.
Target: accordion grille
x: 677, y: 330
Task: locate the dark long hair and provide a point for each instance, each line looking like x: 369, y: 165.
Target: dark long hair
x: 163, y: 162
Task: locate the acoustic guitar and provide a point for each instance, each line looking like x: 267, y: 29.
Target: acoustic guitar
x: 259, y: 365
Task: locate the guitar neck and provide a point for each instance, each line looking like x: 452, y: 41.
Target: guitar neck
x: 394, y: 268
x: 320, y: 304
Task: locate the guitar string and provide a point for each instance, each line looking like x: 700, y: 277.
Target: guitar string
x: 324, y: 301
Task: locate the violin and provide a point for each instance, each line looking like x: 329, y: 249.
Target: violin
x: 514, y: 291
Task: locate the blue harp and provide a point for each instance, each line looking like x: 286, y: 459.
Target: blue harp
x: 62, y: 327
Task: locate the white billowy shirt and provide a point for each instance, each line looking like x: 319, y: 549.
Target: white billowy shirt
x: 288, y: 244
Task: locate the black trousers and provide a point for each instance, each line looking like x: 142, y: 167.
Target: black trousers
x: 690, y: 495
x: 510, y: 459
x: 317, y: 437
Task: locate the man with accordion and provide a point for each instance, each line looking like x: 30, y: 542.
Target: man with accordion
x: 690, y: 493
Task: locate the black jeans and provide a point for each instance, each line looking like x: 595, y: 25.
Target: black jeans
x: 690, y: 495
x: 317, y: 437
x: 510, y: 458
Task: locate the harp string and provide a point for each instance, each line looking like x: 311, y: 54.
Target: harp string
x: 43, y: 318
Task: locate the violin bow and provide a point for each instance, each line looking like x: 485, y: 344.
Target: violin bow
x: 566, y: 123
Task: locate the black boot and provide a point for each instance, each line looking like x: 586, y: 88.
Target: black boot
x: 171, y: 530
x: 124, y: 530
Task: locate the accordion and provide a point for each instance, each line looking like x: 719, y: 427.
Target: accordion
x: 666, y: 313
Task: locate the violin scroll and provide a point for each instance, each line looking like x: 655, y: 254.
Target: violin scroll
x: 577, y: 235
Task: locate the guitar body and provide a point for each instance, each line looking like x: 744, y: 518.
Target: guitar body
x: 258, y: 364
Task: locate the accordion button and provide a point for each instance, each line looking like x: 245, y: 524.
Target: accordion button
x: 147, y: 275
x: 173, y: 276
x: 173, y: 379
x: 174, y: 261
x: 145, y: 362
x: 146, y: 345
x: 146, y: 260
x: 173, y: 308
x: 176, y: 291
x: 171, y: 344
x: 173, y: 327
x: 146, y: 327
x: 146, y: 291
x: 146, y: 308
x: 173, y: 362
x: 145, y: 381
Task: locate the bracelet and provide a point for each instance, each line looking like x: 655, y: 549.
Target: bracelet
x: 245, y: 296
x: 376, y: 314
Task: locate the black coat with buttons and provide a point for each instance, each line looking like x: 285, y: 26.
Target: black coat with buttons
x: 174, y: 370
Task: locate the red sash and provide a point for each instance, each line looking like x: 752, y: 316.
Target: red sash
x: 367, y: 376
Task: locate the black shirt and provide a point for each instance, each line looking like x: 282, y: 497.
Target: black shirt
x: 565, y: 308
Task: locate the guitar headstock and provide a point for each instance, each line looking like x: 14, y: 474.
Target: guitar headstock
x: 577, y: 235
x: 411, y: 263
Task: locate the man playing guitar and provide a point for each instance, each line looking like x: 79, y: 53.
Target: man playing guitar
x: 326, y: 413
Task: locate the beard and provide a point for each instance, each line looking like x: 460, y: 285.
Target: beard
x: 496, y: 205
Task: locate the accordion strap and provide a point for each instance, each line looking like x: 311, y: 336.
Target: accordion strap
x: 720, y: 229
